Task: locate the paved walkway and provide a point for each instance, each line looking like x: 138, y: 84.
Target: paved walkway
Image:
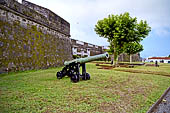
x: 163, y: 104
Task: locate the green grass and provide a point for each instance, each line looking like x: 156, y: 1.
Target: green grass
x: 107, y: 91
x: 163, y: 69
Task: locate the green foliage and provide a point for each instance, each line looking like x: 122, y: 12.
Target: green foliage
x: 121, y: 29
x: 133, y: 48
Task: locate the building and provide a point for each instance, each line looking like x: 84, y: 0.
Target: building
x: 159, y: 59
x: 84, y: 49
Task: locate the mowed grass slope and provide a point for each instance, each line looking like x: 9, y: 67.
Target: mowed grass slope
x: 163, y: 69
x: 107, y: 91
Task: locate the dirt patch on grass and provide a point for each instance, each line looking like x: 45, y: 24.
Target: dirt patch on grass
x: 102, y: 66
x: 111, y: 67
x: 101, y: 62
x: 109, y: 107
x: 106, y: 67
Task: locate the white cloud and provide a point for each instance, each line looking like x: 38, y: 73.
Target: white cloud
x: 156, y: 12
x: 84, y: 14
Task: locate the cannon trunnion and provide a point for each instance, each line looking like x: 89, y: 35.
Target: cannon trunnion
x: 72, y: 68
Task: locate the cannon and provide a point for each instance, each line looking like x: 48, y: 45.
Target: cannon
x: 72, y: 68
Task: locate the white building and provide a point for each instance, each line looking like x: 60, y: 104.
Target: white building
x: 159, y: 59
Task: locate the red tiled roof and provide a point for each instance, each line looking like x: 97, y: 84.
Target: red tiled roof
x: 162, y: 58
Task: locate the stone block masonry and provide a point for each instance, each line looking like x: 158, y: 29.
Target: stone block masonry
x: 30, y: 40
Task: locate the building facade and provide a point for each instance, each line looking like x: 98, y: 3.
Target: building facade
x: 159, y: 59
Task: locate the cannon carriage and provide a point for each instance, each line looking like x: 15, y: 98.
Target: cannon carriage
x: 72, y: 68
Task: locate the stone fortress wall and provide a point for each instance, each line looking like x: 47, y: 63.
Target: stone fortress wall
x: 32, y: 37
x: 126, y: 58
x: 84, y: 49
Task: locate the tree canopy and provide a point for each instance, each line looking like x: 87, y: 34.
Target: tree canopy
x: 120, y: 30
x: 133, y: 48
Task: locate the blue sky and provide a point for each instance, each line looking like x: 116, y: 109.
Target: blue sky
x: 84, y: 14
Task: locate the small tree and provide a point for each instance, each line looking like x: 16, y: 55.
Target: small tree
x: 119, y: 49
x: 132, y: 48
x: 121, y: 29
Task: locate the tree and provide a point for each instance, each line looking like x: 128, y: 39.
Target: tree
x: 133, y: 48
x: 121, y: 29
x: 118, y: 49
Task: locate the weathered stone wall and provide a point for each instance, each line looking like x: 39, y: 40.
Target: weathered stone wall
x: 84, y: 46
x: 28, y: 41
x: 126, y: 58
x: 54, y: 20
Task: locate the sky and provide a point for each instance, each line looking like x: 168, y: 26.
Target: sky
x: 84, y: 14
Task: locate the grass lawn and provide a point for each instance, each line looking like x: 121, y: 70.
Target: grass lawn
x: 163, y: 69
x: 107, y: 91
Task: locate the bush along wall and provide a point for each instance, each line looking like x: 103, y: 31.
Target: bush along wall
x: 26, y: 44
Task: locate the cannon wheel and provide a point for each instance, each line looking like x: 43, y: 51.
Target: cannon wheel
x: 59, y: 75
x: 87, y: 76
x: 75, y: 78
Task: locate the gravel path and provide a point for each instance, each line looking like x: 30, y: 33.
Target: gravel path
x: 163, y: 104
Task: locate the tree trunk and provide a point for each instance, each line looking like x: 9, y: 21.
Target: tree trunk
x: 115, y: 57
x: 117, y: 60
x: 130, y: 58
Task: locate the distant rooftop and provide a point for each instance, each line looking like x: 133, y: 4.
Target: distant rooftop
x: 163, y: 58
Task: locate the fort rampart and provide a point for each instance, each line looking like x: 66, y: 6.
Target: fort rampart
x: 32, y: 37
